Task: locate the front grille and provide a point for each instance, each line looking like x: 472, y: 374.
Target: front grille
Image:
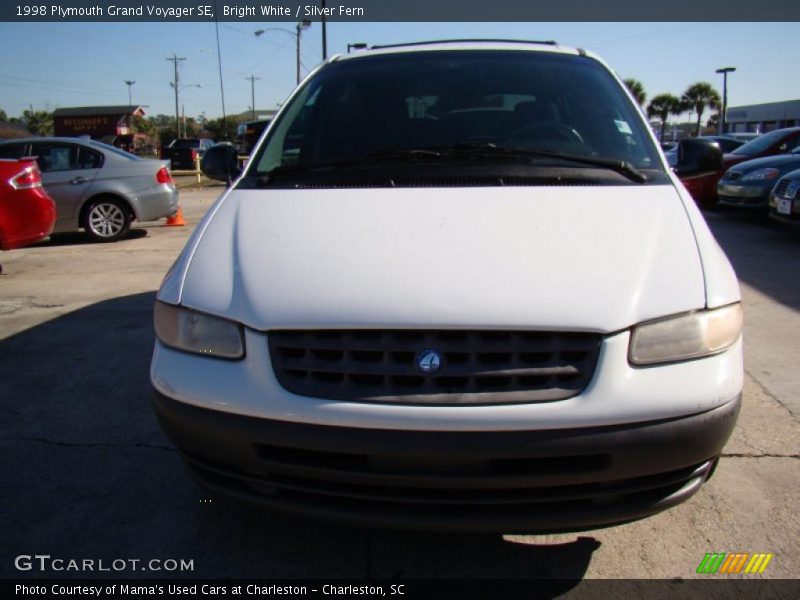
x: 477, y: 367
x: 733, y: 175
x: 781, y: 189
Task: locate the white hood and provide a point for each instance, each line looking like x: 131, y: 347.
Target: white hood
x: 562, y: 258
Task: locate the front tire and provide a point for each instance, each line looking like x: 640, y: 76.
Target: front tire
x: 106, y: 220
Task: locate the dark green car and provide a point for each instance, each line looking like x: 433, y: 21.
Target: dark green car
x: 748, y: 184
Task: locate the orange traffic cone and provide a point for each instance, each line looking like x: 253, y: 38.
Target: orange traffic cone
x: 176, y: 220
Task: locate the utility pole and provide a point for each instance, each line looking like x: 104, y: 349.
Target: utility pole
x: 175, y: 60
x: 253, y: 80
x: 297, y: 52
x: 324, y: 34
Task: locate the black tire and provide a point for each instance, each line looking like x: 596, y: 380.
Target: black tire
x: 106, y: 219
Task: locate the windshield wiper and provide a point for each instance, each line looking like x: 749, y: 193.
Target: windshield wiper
x: 489, y: 149
x: 378, y: 156
x: 465, y: 150
x: 622, y: 167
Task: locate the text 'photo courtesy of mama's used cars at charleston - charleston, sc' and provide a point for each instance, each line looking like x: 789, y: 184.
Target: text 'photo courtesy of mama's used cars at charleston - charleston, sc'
x: 456, y: 287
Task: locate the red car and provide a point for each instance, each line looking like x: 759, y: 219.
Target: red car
x: 27, y: 213
x: 703, y: 187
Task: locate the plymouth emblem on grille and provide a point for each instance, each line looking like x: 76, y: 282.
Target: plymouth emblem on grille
x: 429, y: 361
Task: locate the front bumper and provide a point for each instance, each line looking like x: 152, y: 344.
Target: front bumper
x: 499, y: 481
x: 793, y: 217
x: 744, y: 196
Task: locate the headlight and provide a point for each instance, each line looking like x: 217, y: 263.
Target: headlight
x: 761, y: 175
x: 191, y: 331
x: 690, y: 335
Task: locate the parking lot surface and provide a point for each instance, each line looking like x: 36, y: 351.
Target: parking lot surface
x: 87, y: 472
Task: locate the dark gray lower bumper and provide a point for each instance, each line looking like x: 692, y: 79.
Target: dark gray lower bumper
x: 755, y: 203
x: 518, y: 481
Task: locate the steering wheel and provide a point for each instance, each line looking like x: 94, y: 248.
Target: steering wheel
x: 546, y: 131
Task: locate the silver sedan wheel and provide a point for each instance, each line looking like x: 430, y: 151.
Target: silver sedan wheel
x: 106, y: 220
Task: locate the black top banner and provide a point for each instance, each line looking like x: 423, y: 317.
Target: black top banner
x: 407, y: 10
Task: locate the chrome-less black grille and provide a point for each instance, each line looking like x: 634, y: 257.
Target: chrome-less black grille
x: 475, y: 367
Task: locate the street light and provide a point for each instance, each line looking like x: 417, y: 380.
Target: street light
x: 178, y: 89
x: 724, y: 71
x: 129, y: 83
x: 298, y: 29
x: 356, y: 46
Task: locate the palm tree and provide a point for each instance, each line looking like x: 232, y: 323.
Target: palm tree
x: 698, y: 97
x: 662, y: 106
x: 39, y: 122
x: 637, y: 90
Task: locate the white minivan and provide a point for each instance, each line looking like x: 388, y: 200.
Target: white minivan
x: 456, y: 287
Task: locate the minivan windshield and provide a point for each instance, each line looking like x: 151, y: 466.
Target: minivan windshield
x: 415, y: 105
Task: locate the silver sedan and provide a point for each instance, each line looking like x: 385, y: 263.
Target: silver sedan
x: 98, y: 187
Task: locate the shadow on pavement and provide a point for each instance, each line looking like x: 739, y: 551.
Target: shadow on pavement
x: 765, y: 254
x: 73, y: 238
x: 87, y: 473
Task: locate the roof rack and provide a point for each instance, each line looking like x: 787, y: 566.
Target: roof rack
x: 463, y: 41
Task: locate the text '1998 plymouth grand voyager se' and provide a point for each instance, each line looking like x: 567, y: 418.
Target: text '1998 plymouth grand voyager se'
x: 456, y: 287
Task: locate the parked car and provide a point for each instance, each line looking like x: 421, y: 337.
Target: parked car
x: 184, y: 152
x: 468, y: 295
x: 247, y: 135
x: 726, y: 144
x: 27, y: 213
x: 744, y: 136
x: 779, y: 141
x: 97, y: 187
x: 784, y: 200
x: 748, y: 184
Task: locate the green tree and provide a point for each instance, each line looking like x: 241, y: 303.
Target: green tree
x: 662, y: 106
x: 3, y: 115
x: 167, y: 134
x: 637, y: 90
x: 145, y: 126
x: 220, y: 131
x: 162, y: 120
x: 39, y: 122
x: 698, y: 97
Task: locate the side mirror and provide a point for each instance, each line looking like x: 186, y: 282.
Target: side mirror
x: 696, y: 157
x: 221, y: 162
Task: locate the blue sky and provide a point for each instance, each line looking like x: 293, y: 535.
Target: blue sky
x: 51, y: 65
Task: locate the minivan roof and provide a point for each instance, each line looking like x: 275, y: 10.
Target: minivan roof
x: 427, y: 46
